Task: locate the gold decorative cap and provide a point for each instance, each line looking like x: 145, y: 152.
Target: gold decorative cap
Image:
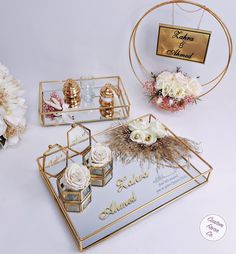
x: 71, y: 90
x: 106, y: 91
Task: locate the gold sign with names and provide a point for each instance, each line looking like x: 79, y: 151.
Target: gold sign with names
x: 183, y: 43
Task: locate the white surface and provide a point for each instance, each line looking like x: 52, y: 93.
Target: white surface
x: 48, y: 40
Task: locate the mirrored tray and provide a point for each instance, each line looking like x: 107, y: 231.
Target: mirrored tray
x: 89, y: 109
x: 116, y: 206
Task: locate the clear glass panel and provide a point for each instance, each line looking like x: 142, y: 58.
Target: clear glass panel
x: 79, y: 139
x: 55, y: 160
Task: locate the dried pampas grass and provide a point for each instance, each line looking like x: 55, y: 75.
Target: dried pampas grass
x: 166, y: 151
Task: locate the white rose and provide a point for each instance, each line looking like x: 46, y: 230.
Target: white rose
x: 76, y: 177
x: 180, y: 93
x: 180, y: 78
x: 164, y: 80
x: 139, y: 124
x: 3, y: 126
x: 165, y: 75
x: 194, y: 87
x: 149, y: 138
x: 166, y: 89
x: 138, y: 136
x: 100, y: 154
x: 157, y: 129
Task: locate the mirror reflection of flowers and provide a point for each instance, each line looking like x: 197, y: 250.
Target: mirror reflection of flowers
x: 173, y: 91
x: 12, y: 109
x: 76, y: 177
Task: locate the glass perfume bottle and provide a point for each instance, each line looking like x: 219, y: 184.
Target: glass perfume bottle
x: 87, y: 84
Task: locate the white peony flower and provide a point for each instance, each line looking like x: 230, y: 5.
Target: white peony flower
x: 138, y: 136
x: 100, y: 155
x: 157, y: 129
x: 76, y: 177
x: 12, y: 107
x: 138, y: 124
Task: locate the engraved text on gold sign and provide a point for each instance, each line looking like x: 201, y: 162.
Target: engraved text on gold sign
x: 183, y: 43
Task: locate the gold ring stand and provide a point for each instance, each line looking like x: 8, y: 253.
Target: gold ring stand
x: 132, y: 43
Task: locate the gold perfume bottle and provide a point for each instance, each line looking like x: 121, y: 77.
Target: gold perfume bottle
x: 71, y: 90
x: 107, y: 100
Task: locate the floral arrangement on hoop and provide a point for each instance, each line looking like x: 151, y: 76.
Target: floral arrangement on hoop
x: 172, y: 91
x: 148, y: 142
x: 12, y: 109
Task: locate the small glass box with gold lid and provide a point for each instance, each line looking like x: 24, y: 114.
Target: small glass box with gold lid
x: 75, y: 198
x: 100, y: 164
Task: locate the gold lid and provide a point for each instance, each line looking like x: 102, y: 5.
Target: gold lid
x: 71, y: 88
x: 106, y: 91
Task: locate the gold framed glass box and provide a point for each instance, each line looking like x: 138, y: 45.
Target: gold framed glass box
x: 100, y: 175
x: 74, y: 201
x: 69, y: 195
x: 134, y: 191
x: 75, y: 206
x: 54, y: 109
x: 101, y: 180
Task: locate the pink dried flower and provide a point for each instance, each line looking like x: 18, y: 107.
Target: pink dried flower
x: 149, y: 87
x: 49, y: 108
x: 175, y: 105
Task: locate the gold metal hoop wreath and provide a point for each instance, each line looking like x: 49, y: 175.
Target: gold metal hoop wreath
x: 132, y: 42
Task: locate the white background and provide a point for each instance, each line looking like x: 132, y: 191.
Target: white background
x: 55, y: 39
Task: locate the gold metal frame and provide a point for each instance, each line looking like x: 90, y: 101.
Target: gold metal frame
x: 49, y: 152
x: 132, y: 43
x: 103, y: 179
x: 123, y: 99
x: 79, y: 241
